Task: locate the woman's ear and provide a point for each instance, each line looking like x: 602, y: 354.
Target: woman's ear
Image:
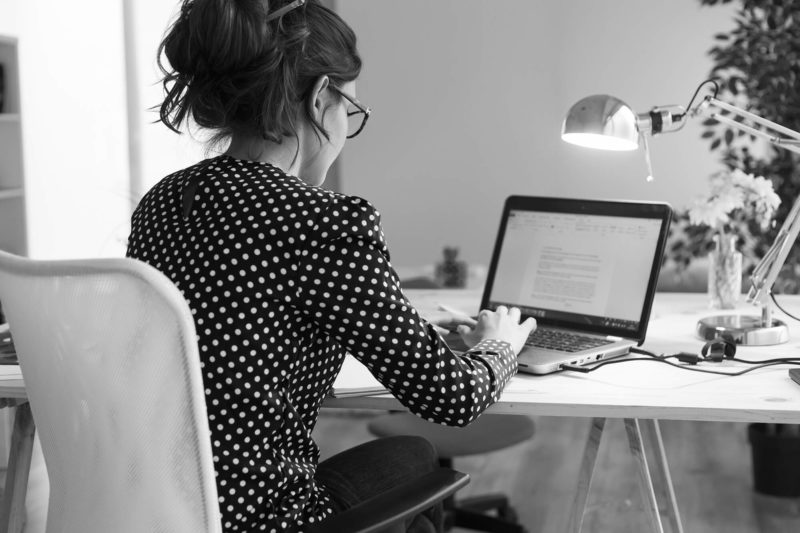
x: 319, y: 98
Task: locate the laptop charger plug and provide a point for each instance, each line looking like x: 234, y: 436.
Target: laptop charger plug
x: 687, y: 357
x: 574, y: 368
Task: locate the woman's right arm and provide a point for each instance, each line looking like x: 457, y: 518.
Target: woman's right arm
x: 347, y: 285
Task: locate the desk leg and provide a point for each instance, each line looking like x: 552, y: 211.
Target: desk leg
x: 636, y: 443
x: 654, y: 472
x: 585, y: 475
x: 652, y: 432
x: 12, y: 511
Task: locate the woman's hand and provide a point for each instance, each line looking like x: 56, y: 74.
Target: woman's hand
x: 448, y: 321
x: 502, y: 324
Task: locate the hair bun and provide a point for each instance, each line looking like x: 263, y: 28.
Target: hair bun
x: 217, y: 36
x: 233, y: 69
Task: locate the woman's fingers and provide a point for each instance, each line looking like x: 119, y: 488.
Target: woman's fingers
x: 466, y: 320
x: 501, y: 310
x: 442, y: 331
x: 446, y: 320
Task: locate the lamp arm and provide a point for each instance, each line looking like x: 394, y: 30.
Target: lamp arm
x: 788, y: 138
x: 767, y: 270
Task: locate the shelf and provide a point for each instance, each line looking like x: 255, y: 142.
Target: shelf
x: 10, y: 62
x: 11, y: 193
x: 13, y: 231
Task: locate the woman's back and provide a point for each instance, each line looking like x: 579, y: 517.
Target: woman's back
x: 265, y: 367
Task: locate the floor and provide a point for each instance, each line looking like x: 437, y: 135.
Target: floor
x: 710, y: 465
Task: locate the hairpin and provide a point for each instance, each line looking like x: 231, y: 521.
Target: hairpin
x: 186, y: 8
x: 285, y: 9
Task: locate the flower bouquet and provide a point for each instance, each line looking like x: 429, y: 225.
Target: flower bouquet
x: 734, y: 204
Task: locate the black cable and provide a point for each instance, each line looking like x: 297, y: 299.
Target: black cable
x: 776, y: 360
x: 644, y: 352
x: 784, y: 311
x: 696, y: 91
x: 765, y: 361
x: 585, y: 370
x: 664, y: 359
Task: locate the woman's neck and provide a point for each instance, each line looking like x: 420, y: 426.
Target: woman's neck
x: 295, y: 158
x: 284, y: 155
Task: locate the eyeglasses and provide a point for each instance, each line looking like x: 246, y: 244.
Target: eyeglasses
x: 355, y: 125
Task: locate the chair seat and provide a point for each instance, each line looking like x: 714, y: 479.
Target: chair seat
x: 488, y: 433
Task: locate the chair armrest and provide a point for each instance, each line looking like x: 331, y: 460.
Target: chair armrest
x: 394, y: 506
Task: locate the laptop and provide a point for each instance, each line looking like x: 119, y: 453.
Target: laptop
x: 586, y: 270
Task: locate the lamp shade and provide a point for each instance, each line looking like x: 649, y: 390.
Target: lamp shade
x: 601, y: 121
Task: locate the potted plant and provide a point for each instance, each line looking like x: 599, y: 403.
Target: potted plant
x: 757, y: 67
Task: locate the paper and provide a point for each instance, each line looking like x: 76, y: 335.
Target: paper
x: 8, y: 353
x: 355, y: 379
x: 8, y: 372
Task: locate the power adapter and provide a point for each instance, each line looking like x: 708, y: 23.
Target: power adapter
x: 687, y: 357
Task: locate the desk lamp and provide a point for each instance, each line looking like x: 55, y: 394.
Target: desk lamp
x: 607, y: 123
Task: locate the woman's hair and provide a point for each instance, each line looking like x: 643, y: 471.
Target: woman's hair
x: 233, y: 70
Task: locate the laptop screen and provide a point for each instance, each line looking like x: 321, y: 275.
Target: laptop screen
x: 588, y: 265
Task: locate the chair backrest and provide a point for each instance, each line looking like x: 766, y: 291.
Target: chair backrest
x: 109, y: 355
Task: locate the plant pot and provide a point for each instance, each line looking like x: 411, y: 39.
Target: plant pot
x: 776, y: 461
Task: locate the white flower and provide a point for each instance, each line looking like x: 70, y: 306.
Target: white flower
x: 731, y: 191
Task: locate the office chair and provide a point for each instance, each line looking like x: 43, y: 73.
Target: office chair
x: 490, y: 432
x: 109, y: 355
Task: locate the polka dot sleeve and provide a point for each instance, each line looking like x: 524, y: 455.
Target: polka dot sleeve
x: 346, y: 283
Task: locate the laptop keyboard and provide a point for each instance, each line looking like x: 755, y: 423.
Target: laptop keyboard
x: 564, y: 341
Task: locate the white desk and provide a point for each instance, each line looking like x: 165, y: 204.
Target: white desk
x: 639, y: 392
x: 642, y: 392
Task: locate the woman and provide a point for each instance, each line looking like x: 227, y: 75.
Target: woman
x: 284, y: 278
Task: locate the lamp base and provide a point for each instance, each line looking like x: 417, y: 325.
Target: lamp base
x: 742, y: 329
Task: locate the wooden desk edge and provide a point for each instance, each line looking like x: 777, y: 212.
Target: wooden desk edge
x: 389, y: 403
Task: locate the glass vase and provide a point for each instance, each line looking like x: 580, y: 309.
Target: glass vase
x: 724, y: 273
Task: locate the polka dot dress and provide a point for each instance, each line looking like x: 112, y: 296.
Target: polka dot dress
x: 284, y: 279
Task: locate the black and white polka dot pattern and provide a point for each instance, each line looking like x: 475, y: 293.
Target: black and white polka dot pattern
x: 284, y: 279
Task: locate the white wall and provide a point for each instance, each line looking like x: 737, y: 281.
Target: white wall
x: 468, y: 98
x: 162, y: 151
x: 73, y: 121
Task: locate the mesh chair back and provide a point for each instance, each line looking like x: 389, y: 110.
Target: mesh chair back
x: 109, y: 354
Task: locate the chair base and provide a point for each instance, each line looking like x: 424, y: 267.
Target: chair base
x: 473, y: 512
